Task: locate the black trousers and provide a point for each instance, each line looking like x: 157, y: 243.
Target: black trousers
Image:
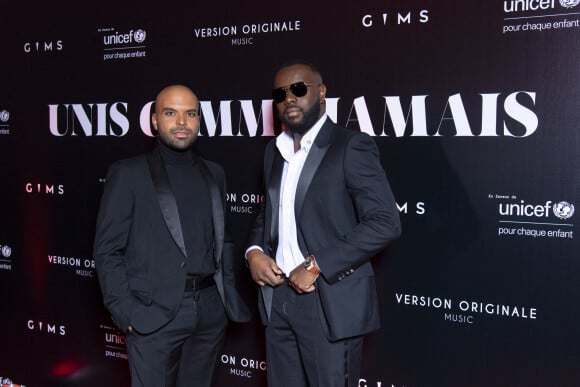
x: 182, y: 353
x: 297, y: 349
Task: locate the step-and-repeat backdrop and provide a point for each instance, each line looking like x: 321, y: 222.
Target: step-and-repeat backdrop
x: 475, y: 107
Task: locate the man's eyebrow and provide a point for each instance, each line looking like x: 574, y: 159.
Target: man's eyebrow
x: 168, y: 108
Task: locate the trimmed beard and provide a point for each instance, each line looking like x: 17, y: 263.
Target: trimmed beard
x: 177, y: 144
x: 309, y: 118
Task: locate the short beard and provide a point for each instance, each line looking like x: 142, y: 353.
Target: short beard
x: 176, y: 144
x: 310, y: 117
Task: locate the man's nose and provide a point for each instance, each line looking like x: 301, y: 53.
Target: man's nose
x: 290, y: 97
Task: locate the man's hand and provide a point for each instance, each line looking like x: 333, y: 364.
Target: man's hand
x: 264, y: 269
x: 301, y: 280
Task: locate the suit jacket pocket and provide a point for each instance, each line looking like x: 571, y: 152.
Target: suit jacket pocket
x: 140, y: 289
x: 350, y: 306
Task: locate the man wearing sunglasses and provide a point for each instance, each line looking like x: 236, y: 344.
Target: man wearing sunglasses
x: 328, y: 210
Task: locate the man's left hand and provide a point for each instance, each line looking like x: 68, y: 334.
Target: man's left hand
x: 301, y: 280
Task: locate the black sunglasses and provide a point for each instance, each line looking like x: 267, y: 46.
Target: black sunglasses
x: 299, y: 89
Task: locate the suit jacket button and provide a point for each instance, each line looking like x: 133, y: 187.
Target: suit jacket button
x: 182, y: 264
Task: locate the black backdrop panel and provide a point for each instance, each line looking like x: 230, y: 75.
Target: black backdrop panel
x: 474, y: 108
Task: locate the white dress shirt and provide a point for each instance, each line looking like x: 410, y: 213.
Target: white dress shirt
x: 288, y: 254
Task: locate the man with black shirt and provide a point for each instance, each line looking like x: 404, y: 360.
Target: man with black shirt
x: 163, y: 258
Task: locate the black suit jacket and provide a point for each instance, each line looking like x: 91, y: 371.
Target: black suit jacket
x: 139, y: 248
x: 345, y: 214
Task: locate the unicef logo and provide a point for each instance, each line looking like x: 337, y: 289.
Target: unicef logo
x: 569, y: 4
x: 140, y: 35
x: 4, y: 115
x: 563, y: 210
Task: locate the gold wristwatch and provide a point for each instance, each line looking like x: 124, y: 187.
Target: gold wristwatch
x: 310, y: 265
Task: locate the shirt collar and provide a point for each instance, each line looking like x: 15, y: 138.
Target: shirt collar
x: 285, y: 142
x: 173, y: 156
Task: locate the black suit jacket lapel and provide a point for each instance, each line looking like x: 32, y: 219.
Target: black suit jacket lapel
x: 217, y: 209
x: 274, y: 195
x: 315, y: 156
x: 273, y: 181
x: 166, y: 199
